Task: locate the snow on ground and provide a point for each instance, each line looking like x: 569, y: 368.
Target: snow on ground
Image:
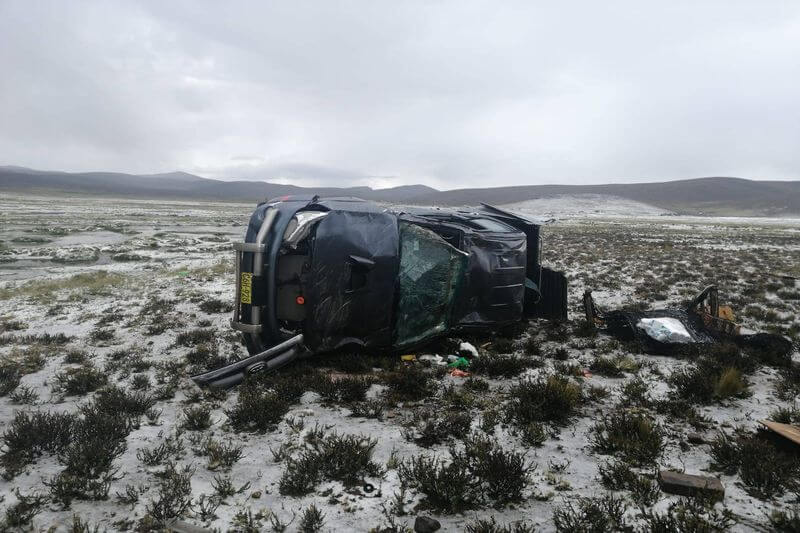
x: 585, y: 205
x: 140, y: 254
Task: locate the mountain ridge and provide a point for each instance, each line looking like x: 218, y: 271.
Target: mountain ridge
x: 708, y: 195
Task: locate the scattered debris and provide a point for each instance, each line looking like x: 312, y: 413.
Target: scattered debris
x: 784, y: 430
x: 691, y: 485
x: 468, y: 349
x: 433, y: 359
x: 668, y: 331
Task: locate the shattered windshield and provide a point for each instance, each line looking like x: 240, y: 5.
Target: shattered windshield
x: 431, y: 273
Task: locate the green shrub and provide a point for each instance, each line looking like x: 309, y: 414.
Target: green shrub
x: 312, y: 519
x: 197, y: 418
x: 595, y: 515
x: 765, y: 470
x: 482, y: 525
x: 174, y: 495
x: 195, y: 337
x: 344, y: 458
x: 409, y: 383
x: 552, y: 400
x: 31, y: 434
x: 633, y: 437
x: 81, y: 380
x: 256, y: 409
x: 448, y: 488
x: 689, y: 514
x: 618, y: 475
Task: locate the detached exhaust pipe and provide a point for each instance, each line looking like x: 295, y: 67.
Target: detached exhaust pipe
x: 266, y: 361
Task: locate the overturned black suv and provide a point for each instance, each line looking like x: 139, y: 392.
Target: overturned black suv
x: 315, y: 274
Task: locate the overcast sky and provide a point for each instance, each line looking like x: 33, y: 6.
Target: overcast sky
x: 451, y: 94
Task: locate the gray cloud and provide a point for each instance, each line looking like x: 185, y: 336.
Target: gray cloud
x: 370, y: 93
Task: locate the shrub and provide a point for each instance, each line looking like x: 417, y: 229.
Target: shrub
x: 765, y: 470
x: 224, y: 487
x: 689, y: 514
x: 502, y: 345
x: 368, y: 409
x: 116, y: 400
x: 21, y: 513
x: 502, y: 365
x: 534, y: 434
x: 214, y: 306
x: 531, y: 346
x: 312, y: 520
x: 635, y: 393
x: 220, y: 455
x: 476, y: 384
x: 788, y: 521
x: 256, y: 409
x: 449, y: 488
x: 704, y: 383
x: 730, y: 384
x: 553, y: 400
x: 80, y: 380
x: 619, y: 476
x: 789, y: 385
x: 66, y: 487
x: 195, y: 337
x: 503, y: 472
x: 435, y: 428
x: 596, y: 515
x: 784, y: 415
x: 10, y: 376
x: 30, y: 435
x: 76, y: 357
x: 197, y: 418
x: 613, y: 367
x: 409, y: 383
x: 24, y: 395
x: 482, y: 525
x: 171, y: 447
x: 174, y: 495
x: 98, y: 439
x: 344, y: 458
x: 346, y: 389
x: 633, y: 437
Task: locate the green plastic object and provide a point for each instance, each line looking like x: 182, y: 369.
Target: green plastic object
x: 459, y: 363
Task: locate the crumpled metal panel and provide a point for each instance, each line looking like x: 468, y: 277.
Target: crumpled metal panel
x: 495, y: 279
x: 352, y: 280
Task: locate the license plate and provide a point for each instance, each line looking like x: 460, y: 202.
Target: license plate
x: 246, y: 288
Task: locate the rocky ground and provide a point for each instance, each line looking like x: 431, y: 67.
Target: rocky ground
x: 107, y: 307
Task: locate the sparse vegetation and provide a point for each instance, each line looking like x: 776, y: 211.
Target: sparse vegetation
x: 127, y: 437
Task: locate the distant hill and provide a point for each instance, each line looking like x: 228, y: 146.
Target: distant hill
x: 183, y: 185
x: 712, y: 196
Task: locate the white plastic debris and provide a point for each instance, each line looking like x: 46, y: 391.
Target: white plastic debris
x: 469, y: 348
x: 434, y: 359
x: 665, y: 329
